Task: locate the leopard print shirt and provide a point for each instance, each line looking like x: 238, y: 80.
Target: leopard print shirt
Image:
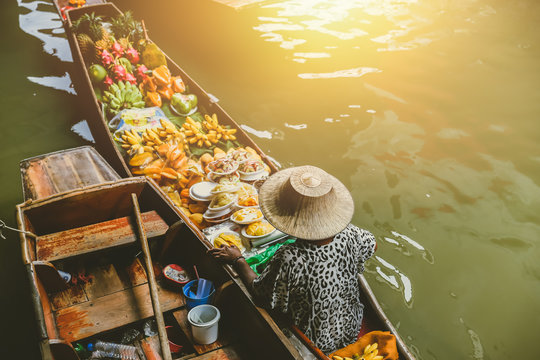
x: 318, y: 286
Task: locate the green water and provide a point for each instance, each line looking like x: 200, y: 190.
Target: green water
x: 426, y: 110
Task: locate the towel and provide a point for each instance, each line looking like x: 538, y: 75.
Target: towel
x: 386, y: 345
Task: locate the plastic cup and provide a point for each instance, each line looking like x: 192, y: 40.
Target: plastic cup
x: 191, y: 301
x: 204, y: 321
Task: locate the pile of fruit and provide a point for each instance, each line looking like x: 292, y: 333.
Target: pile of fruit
x: 130, y: 73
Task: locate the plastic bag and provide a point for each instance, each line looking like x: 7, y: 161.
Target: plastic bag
x: 258, y: 262
x: 138, y: 119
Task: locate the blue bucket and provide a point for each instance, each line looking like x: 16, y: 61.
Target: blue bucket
x: 191, y: 301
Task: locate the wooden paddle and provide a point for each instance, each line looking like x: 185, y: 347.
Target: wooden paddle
x: 164, y: 341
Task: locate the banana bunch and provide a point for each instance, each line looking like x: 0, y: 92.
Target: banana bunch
x: 123, y: 95
x: 370, y: 353
x: 169, y: 133
x: 194, y: 133
x: 134, y: 143
x: 216, y: 131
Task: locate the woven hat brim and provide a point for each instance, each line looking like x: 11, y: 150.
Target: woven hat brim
x: 306, y: 222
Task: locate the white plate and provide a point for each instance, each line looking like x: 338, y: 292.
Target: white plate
x: 217, y: 217
x: 254, y: 176
x: 245, y: 222
x: 243, y: 232
x: 233, y: 202
x: 203, y: 189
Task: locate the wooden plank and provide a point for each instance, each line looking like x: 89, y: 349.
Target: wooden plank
x: 73, y: 295
x: 61, y: 173
x: 181, y: 319
x: 150, y: 347
x: 104, y: 280
x: 37, y: 181
x: 132, y: 274
x: 111, y: 311
x: 227, y: 353
x: 96, y: 237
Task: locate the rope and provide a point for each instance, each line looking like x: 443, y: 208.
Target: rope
x: 4, y: 226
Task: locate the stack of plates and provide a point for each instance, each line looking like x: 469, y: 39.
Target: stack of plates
x: 202, y: 191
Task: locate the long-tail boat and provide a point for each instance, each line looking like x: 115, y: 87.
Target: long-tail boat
x: 89, y: 232
x: 375, y: 317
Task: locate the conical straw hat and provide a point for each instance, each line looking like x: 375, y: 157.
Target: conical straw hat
x: 306, y: 202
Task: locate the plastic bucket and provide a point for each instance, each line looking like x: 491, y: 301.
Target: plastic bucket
x: 192, y: 302
x: 204, y: 320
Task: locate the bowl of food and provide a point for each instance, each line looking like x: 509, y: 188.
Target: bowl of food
x: 224, y: 166
x: 225, y: 186
x: 247, y: 216
x: 220, y: 179
x: 251, y: 167
x: 222, y: 201
x: 240, y: 155
x: 258, y: 230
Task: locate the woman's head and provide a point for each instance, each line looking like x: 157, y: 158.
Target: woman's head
x: 306, y: 202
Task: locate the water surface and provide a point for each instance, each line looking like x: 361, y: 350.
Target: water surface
x: 426, y: 110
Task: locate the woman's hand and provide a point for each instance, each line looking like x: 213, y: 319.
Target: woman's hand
x: 225, y: 253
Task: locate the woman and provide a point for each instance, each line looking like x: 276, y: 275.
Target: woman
x: 315, y: 279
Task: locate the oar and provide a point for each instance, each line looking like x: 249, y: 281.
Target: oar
x: 152, y: 282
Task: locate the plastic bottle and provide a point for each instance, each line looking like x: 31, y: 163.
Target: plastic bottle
x: 105, y: 350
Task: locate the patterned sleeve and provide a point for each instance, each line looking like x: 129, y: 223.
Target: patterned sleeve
x: 366, y: 246
x: 272, y: 286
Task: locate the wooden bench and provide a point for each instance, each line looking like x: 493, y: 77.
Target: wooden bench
x: 95, y: 237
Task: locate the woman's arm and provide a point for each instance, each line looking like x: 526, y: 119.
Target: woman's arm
x: 232, y: 256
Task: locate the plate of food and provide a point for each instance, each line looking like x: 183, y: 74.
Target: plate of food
x: 228, y: 238
x: 258, y: 230
x: 222, y: 201
x: 223, y: 166
x: 247, y: 216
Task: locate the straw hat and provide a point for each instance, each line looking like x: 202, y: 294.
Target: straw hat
x: 306, y: 202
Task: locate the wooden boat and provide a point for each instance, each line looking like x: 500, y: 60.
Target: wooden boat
x: 90, y: 231
x: 375, y: 319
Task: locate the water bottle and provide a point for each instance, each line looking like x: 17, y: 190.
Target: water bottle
x: 105, y: 350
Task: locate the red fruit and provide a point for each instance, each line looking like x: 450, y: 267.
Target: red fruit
x: 106, y: 57
x: 117, y: 49
x: 132, y: 55
x: 129, y: 77
x: 141, y: 72
x: 108, y: 81
x: 119, y: 72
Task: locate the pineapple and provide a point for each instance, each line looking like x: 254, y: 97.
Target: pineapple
x: 103, y: 44
x: 125, y: 26
x: 90, y: 24
x: 87, y: 46
x: 125, y: 43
